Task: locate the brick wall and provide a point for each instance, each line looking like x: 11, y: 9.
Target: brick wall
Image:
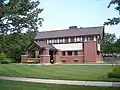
x: 90, y: 51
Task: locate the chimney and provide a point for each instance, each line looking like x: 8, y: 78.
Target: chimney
x: 72, y: 27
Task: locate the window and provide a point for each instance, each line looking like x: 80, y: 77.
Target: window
x: 69, y: 53
x: 47, y: 41
x: 58, y: 40
x: 55, y: 41
x: 91, y: 37
x: 63, y: 61
x: 75, y: 52
x: 75, y: 61
x: 69, y: 40
x: 66, y: 40
x: 78, y: 39
x: 81, y: 39
x: 63, y: 40
x: 75, y: 40
x: 63, y: 53
x: 52, y: 40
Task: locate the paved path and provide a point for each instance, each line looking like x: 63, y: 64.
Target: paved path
x: 65, y: 82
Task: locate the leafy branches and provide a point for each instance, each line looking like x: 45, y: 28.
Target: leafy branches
x: 115, y: 20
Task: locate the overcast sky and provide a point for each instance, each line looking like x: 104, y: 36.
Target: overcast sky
x: 60, y: 14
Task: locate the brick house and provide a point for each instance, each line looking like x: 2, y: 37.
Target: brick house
x: 73, y: 45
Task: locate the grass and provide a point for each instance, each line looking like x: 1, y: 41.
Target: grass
x: 12, y: 85
x: 70, y: 72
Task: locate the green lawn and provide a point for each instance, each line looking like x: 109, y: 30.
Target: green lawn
x: 11, y: 85
x: 71, y: 72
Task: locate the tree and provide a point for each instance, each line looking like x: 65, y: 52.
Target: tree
x: 18, y: 16
x: 115, y: 20
x: 107, y: 45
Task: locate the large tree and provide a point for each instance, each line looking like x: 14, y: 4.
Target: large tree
x: 16, y: 17
x: 114, y: 20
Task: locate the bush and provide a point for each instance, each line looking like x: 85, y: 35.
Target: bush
x: 5, y: 61
x: 3, y: 56
x: 115, y: 73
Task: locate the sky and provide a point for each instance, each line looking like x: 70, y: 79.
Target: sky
x: 60, y: 14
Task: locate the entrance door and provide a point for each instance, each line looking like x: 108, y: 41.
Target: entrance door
x: 51, y: 57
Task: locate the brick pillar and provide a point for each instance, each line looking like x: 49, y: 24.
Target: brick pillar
x: 24, y: 58
x: 90, y: 51
x: 58, y: 57
x: 45, y: 57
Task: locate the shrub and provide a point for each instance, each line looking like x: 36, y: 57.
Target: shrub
x: 3, y: 56
x: 115, y: 73
x: 5, y: 61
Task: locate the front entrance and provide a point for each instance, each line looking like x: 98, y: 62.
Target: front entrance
x: 51, y: 53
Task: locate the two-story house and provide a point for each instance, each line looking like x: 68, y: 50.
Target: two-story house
x: 73, y: 45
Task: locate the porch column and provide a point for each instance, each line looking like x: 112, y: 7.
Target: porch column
x: 45, y: 57
x: 36, y: 54
x: 58, y: 57
x: 24, y: 58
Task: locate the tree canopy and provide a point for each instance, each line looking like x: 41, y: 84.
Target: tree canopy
x: 114, y: 20
x: 19, y: 22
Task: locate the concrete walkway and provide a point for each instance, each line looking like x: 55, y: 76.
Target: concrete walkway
x: 65, y: 82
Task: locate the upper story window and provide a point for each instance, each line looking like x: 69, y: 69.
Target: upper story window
x: 55, y: 41
x: 75, y: 39
x: 58, y: 41
x: 52, y: 40
x: 78, y: 39
x: 63, y: 40
x: 69, y: 40
x: 47, y: 41
x: 91, y: 37
x: 81, y: 39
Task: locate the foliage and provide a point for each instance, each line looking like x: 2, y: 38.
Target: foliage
x: 115, y: 20
x: 115, y: 73
x: 19, y: 21
x: 7, y: 61
x: 4, y: 59
x: 108, y: 45
x: 19, y: 15
x: 3, y: 56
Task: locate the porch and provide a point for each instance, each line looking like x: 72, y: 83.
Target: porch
x: 41, y: 53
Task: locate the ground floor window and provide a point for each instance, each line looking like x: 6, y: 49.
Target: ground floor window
x: 75, y: 52
x: 63, y: 53
x: 75, y: 61
x: 69, y: 53
x: 63, y: 61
